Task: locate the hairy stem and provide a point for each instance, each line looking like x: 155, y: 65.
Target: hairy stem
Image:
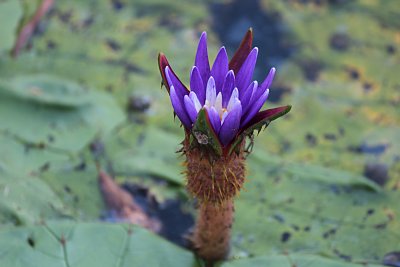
x: 213, y: 230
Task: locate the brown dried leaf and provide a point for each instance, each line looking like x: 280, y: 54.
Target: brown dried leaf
x: 119, y: 200
x: 28, y: 29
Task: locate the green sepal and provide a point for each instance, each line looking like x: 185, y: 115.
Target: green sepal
x: 204, y: 134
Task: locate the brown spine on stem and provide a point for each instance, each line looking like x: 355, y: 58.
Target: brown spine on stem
x: 214, y: 180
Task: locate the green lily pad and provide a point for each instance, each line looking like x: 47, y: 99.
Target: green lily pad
x: 88, y: 244
x: 10, y: 14
x: 78, y: 189
x: 26, y: 200
x: 49, y: 90
x: 146, y: 151
x: 57, y: 127
x: 291, y: 260
x: 294, y: 208
x: 21, y: 158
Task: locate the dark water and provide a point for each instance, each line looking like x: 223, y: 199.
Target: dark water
x: 271, y: 35
x: 176, y: 223
x: 231, y: 20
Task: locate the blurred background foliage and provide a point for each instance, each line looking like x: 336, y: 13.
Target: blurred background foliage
x: 323, y: 183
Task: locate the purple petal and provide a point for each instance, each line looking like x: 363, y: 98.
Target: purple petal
x: 190, y: 108
x: 195, y: 101
x: 227, y: 88
x: 180, y: 89
x: 214, y: 119
x: 231, y: 124
x: 179, y: 109
x: 261, y: 89
x: 201, y: 60
x: 258, y: 103
x: 197, y: 85
x: 211, y: 92
x: 268, y: 80
x: 245, y: 74
x: 246, y: 96
x: 232, y: 101
x: 220, y: 68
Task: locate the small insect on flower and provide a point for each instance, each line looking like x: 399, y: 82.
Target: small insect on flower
x: 224, y: 93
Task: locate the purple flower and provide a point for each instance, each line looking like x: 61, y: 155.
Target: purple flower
x: 226, y: 92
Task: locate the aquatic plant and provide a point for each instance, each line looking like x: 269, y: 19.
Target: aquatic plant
x: 221, y: 108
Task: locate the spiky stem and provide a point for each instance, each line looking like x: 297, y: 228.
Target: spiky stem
x: 213, y: 230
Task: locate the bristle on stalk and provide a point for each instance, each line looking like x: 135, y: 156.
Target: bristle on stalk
x: 212, y: 178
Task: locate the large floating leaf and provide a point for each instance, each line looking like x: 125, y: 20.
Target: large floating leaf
x: 310, y: 210
x: 49, y: 90
x: 54, y: 126
x: 87, y: 245
x: 10, y: 14
x: 329, y: 176
x: 343, y: 86
x: 291, y: 260
x: 77, y: 185
x: 25, y: 159
x: 148, y: 151
x: 25, y: 200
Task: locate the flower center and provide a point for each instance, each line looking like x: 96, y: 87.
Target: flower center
x: 222, y: 113
x: 215, y: 100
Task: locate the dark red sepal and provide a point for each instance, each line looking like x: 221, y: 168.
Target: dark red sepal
x: 162, y: 63
x: 242, y: 52
x: 260, y: 120
x: 263, y: 118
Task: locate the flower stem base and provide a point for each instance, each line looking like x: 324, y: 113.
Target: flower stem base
x: 211, y: 238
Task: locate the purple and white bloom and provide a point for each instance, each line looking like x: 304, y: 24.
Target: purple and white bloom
x: 226, y: 91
